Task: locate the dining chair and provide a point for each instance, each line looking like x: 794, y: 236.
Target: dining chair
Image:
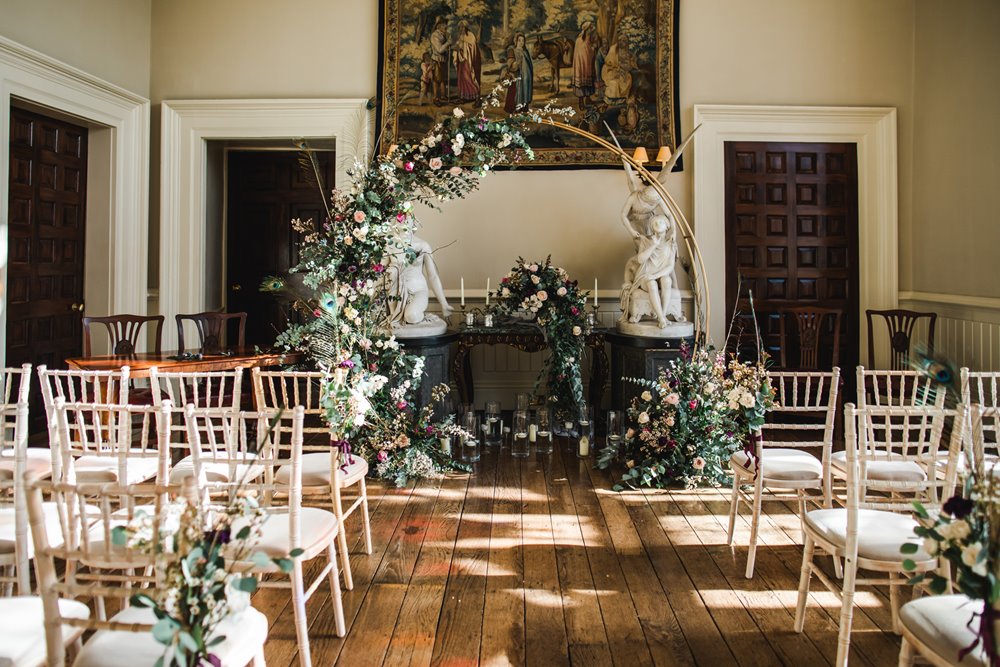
x: 982, y: 388
x: 124, y: 332
x: 869, y: 532
x: 811, y: 327
x: 203, y: 389
x: 211, y: 328
x: 802, y: 418
x: 325, y: 470
x: 901, y: 324
x: 288, y: 526
x: 938, y: 628
x: 14, y: 463
x: 94, y: 563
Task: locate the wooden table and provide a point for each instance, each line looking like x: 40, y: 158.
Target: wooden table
x: 140, y: 362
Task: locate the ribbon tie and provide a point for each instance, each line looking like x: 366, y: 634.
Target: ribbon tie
x: 344, y: 448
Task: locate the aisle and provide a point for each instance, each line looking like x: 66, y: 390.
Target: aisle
x: 536, y: 562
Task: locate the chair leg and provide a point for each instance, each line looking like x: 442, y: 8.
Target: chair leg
x: 734, y: 505
x: 338, y: 602
x: 906, y: 654
x: 758, y: 494
x: 348, y: 577
x: 846, y: 612
x: 299, y: 606
x: 808, y: 550
x: 894, y: 585
x: 364, y: 508
x: 838, y: 568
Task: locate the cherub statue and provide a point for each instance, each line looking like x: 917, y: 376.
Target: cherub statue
x: 411, y: 278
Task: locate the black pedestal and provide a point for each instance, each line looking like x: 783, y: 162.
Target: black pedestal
x: 436, y: 351
x: 638, y: 357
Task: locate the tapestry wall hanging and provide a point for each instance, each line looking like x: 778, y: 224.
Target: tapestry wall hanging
x: 613, y: 61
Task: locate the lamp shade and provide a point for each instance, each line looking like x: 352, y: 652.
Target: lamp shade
x: 664, y: 155
x: 640, y: 155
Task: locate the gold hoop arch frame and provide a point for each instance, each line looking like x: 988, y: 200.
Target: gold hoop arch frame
x: 702, y: 303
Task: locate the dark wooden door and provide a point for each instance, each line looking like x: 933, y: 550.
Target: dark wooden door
x: 266, y: 190
x: 48, y: 191
x: 792, y: 238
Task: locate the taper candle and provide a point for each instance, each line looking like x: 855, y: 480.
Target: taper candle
x: 487, y: 291
x: 595, y: 292
x: 463, y: 291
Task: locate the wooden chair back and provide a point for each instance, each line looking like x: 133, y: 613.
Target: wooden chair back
x: 124, y: 332
x: 13, y: 457
x: 275, y: 390
x: 211, y: 328
x: 811, y: 327
x: 901, y: 324
x: 981, y: 447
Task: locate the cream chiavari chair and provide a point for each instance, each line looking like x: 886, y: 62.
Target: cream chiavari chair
x: 325, y: 471
x: 869, y: 532
x: 802, y: 418
x: 93, y: 562
x: 982, y: 388
x: 104, y: 387
x: 14, y: 463
x: 289, y: 527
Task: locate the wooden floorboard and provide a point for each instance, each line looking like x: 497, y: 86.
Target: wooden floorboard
x: 536, y: 561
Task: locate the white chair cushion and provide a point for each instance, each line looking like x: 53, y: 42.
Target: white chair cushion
x: 7, y: 529
x: 880, y: 534
x: 787, y: 465
x: 215, y: 472
x: 941, y: 623
x: 884, y: 471
x: 36, y: 461
x: 317, y: 528
x: 245, y: 633
x: 316, y: 470
x: 22, y: 629
x: 92, y: 468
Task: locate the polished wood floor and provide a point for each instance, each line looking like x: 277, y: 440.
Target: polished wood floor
x: 537, y: 562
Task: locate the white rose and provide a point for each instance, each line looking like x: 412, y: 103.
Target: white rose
x: 536, y: 279
x: 970, y: 557
x: 646, y: 396
x: 747, y: 400
x: 960, y: 530
x: 533, y: 267
x: 576, y: 330
x: 698, y: 463
x: 673, y: 399
x: 348, y: 240
x: 561, y: 291
x: 435, y: 163
x: 670, y: 420
x: 710, y: 388
x: 360, y: 233
x: 542, y: 295
x: 505, y: 292
x: 458, y: 113
x: 643, y: 417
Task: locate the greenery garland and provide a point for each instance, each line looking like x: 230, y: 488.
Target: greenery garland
x: 340, y: 294
x: 546, y: 293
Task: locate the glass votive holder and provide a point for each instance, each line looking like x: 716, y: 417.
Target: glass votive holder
x: 615, y: 429
x: 585, y: 431
x: 444, y: 441
x: 492, y: 424
x: 470, y: 443
x: 543, y: 431
x: 520, y: 446
x: 470, y: 319
x: 488, y: 320
x: 522, y: 400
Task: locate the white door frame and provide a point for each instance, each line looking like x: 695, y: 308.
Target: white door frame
x: 873, y: 129
x: 117, y: 217
x: 187, y: 126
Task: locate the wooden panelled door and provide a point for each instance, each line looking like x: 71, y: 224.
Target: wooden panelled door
x: 44, y: 294
x: 266, y: 190
x: 792, y: 238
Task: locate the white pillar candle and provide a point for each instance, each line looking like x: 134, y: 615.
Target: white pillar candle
x: 595, y: 292
x: 584, y: 445
x: 463, y: 291
x: 532, y: 433
x: 446, y: 446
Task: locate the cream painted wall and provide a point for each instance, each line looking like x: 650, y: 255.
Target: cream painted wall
x: 956, y: 139
x: 852, y: 52
x: 106, y: 38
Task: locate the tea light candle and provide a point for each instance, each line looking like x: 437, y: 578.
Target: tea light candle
x: 532, y: 432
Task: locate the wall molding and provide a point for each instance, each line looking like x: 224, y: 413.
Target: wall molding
x: 186, y: 127
x: 873, y: 129
x: 117, y: 238
x: 967, y: 331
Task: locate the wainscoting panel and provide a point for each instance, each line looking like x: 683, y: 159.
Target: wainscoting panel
x: 967, y: 330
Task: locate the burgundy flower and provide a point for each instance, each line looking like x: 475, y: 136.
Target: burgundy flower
x: 671, y: 444
x: 382, y: 456
x: 352, y: 269
x: 958, y: 507
x: 346, y: 363
x: 574, y: 310
x: 662, y: 440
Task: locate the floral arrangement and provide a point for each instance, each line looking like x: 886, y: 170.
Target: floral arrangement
x: 967, y: 534
x: 196, y: 587
x: 343, y: 305
x: 686, y: 424
x: 546, y: 293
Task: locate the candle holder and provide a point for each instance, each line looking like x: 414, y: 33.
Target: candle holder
x: 488, y: 320
x: 468, y: 317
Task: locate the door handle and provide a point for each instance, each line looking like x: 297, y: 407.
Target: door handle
x: 77, y: 307
x: 236, y: 287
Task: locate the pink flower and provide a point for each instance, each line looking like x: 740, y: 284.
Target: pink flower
x: 435, y: 163
x: 378, y: 268
x: 382, y: 456
x: 408, y: 166
x: 692, y: 404
x: 574, y: 310
x: 673, y: 399
x: 542, y: 295
x: 359, y: 216
x: 455, y: 171
x: 401, y: 405
x: 400, y: 218
x: 317, y: 312
x: 698, y: 463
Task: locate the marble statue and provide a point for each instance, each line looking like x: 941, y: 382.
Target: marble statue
x: 411, y: 278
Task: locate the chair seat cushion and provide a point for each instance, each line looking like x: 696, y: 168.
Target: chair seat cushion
x: 885, y: 471
x: 881, y: 534
x: 92, y: 468
x: 782, y: 464
x: 37, y: 461
x: 317, y: 528
x: 316, y: 470
x: 215, y: 472
x: 245, y: 633
x: 22, y: 629
x: 8, y: 527
x: 941, y: 622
